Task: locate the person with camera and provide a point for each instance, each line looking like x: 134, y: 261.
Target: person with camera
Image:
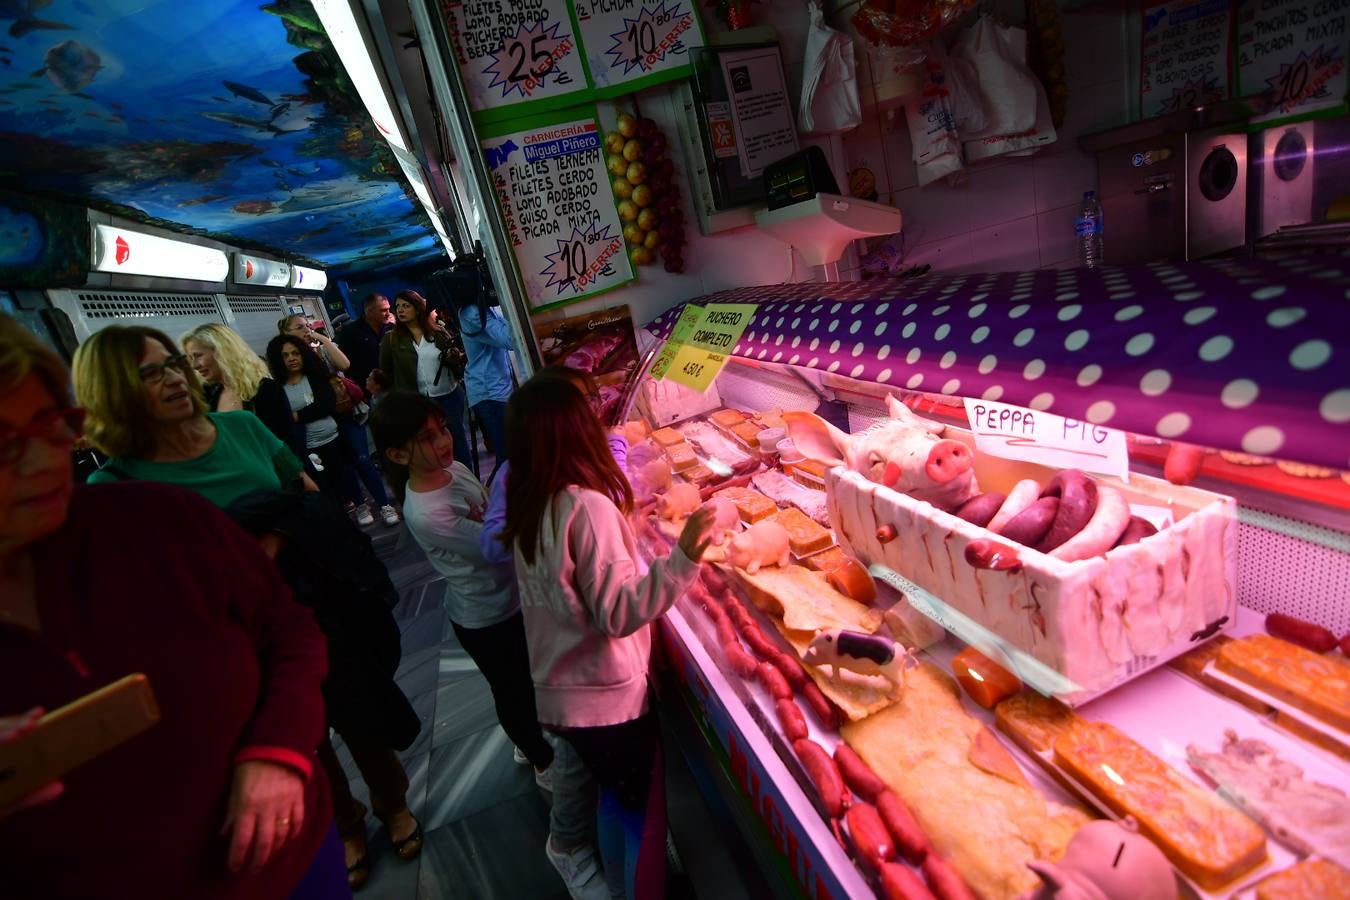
x: 421, y: 355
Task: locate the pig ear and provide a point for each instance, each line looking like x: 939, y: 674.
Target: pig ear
x: 815, y: 438
x: 899, y: 410
x: 1050, y: 874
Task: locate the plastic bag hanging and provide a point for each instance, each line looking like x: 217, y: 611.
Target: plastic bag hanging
x: 829, y: 103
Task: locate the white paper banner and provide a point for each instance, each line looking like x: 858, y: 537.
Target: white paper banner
x: 1012, y: 432
x: 629, y: 40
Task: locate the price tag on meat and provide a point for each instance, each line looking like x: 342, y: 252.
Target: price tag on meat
x: 1294, y: 53
x: 707, y: 336
x: 1186, y: 54
x: 680, y: 333
x: 554, y: 192
x: 1012, y: 432
x: 516, y: 57
x: 695, y: 367
x: 634, y: 44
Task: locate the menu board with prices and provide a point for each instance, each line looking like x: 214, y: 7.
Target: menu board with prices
x: 550, y: 178
x: 516, y: 56
x: 1186, y: 55
x: 1295, y: 53
x: 634, y: 44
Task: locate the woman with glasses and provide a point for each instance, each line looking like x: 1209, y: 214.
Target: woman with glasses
x: 221, y: 359
x: 89, y: 594
x: 313, y: 405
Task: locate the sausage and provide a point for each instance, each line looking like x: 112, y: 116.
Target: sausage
x: 741, y: 616
x: 978, y: 510
x: 741, y: 662
x: 910, y: 840
x: 792, y: 670
x: 1138, y: 529
x: 900, y: 883
x: 1296, y: 631
x: 825, y: 711
x: 859, y: 777
x: 824, y: 775
x: 716, y: 485
x: 773, y: 681
x: 853, y: 580
x: 726, y: 632
x: 1183, y: 462
x: 1023, y: 494
x: 791, y: 718
x: 885, y: 534
x: 1077, y: 495
x: 1033, y: 523
x: 1345, y: 644
x: 713, y: 579
x: 944, y: 880
x: 763, y: 647
x: 870, y: 838
x: 1107, y: 524
x: 986, y: 554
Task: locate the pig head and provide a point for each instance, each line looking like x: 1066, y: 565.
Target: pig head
x: 905, y: 453
x: 1106, y: 861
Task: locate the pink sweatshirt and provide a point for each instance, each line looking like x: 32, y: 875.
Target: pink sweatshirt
x: 588, y: 607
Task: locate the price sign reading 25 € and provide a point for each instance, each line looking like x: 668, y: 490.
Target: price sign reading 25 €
x: 632, y: 44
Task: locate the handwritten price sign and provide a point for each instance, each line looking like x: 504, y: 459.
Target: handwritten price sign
x: 1295, y: 53
x: 700, y: 342
x: 632, y: 44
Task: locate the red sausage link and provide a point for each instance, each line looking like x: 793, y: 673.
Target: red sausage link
x: 900, y: 883
x: 1033, y: 523
x: 944, y: 880
x: 726, y: 632
x: 1296, y: 631
x: 978, y: 510
x: 857, y: 774
x: 1138, y: 529
x: 1022, y: 495
x: 1183, y: 462
x: 791, y: 718
x: 986, y: 554
x: 773, y: 681
x: 824, y: 775
x: 870, y: 837
x: 1345, y: 645
x: 741, y: 662
x: 1100, y: 534
x: 885, y: 534
x: 1077, y: 495
x: 910, y: 839
x: 713, y: 579
x: 763, y: 647
x: 791, y: 668
x: 825, y: 711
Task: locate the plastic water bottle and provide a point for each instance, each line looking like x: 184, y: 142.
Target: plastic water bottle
x: 1088, y: 228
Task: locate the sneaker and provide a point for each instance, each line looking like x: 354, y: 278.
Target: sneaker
x: 350, y: 507
x: 389, y: 515
x: 544, y: 779
x: 579, y: 870
x: 520, y: 758
x: 364, y: 517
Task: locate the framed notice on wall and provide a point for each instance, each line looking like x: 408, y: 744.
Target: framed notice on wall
x: 550, y: 178
x: 1295, y: 54
x: 516, y: 58
x: 761, y: 110
x: 1186, y: 54
x: 633, y: 44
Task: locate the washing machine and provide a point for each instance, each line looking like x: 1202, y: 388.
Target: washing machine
x: 1216, y: 193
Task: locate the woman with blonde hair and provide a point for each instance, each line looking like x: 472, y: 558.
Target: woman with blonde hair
x: 297, y: 325
x: 221, y: 359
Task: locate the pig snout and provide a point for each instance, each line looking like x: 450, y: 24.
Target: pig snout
x: 947, y: 460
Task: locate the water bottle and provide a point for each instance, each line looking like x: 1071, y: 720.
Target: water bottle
x: 1088, y: 228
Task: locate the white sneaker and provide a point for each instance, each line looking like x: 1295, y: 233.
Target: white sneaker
x: 389, y: 515
x: 544, y: 779
x: 520, y: 758
x: 579, y: 870
x: 364, y: 516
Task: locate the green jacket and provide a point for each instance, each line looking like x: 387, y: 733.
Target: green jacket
x: 398, y: 359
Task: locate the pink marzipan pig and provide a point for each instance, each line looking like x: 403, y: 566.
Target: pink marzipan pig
x: 905, y: 453
x: 762, y: 544
x: 679, y: 501
x: 726, y: 519
x: 1106, y: 861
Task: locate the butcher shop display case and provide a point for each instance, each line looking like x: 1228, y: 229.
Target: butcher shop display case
x: 1021, y: 582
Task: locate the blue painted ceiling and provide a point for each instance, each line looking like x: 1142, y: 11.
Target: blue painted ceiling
x: 223, y: 118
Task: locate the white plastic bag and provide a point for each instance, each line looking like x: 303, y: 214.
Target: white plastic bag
x: 829, y: 103
x: 999, y: 56
x: 1024, y: 141
x: 932, y: 128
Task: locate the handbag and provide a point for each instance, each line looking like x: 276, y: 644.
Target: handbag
x: 342, y: 398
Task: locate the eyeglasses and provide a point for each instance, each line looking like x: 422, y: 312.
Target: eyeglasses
x: 153, y: 373
x: 59, y: 428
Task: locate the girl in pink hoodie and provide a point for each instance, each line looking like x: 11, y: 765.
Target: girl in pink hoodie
x: 588, y: 604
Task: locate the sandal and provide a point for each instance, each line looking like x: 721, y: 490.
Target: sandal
x: 358, y: 873
x: 410, y: 847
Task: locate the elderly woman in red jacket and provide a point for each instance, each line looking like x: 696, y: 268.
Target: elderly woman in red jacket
x: 216, y: 800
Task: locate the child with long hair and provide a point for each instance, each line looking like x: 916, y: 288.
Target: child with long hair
x: 588, y: 606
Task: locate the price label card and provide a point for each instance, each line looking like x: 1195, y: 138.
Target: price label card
x: 1012, y: 432
x: 633, y: 44
x: 695, y: 367
x: 1294, y: 53
x: 516, y: 58
x: 721, y: 326
x: 1186, y: 55
x: 554, y: 191
x: 680, y: 333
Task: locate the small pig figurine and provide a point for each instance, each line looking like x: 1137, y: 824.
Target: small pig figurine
x: 726, y: 520
x: 904, y: 453
x: 860, y: 653
x: 678, y: 501
x: 1106, y: 861
x: 762, y: 544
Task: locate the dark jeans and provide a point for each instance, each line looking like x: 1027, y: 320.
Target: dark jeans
x: 627, y: 764
x: 362, y: 467
x: 502, y: 655
x: 385, y: 779
x: 492, y: 417
x: 456, y: 406
x: 336, y: 458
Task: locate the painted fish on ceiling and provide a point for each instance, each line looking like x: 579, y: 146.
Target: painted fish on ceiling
x: 23, y: 12
x: 71, y: 66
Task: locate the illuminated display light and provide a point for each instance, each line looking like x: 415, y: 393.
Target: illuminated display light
x: 256, y: 270
x: 306, y: 279
x: 358, y: 59
x: 124, y: 252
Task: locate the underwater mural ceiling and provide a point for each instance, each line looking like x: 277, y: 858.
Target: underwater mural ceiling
x: 223, y: 118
